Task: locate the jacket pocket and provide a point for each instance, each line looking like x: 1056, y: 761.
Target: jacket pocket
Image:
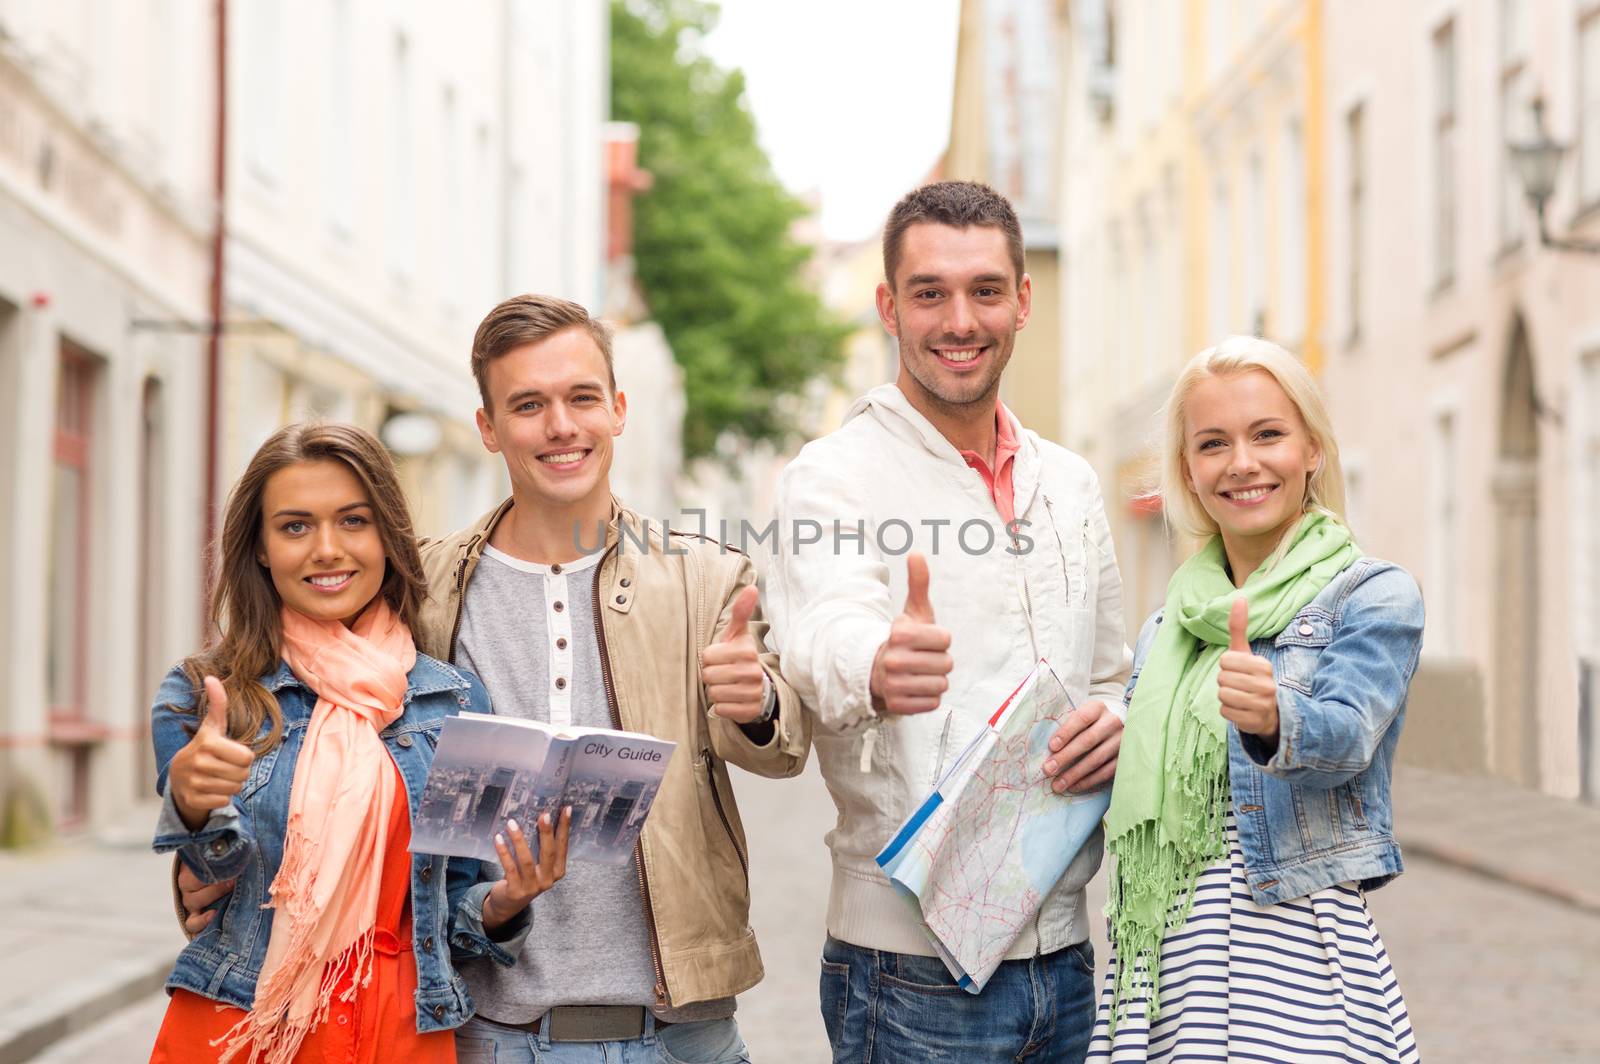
x: 708, y: 763
x: 1298, y: 647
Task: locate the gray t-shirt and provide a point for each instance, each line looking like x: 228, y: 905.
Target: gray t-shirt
x: 528, y: 631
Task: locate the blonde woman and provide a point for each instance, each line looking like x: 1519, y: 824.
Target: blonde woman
x: 1251, y: 809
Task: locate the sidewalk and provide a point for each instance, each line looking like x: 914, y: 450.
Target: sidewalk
x: 88, y: 928
x: 1550, y: 846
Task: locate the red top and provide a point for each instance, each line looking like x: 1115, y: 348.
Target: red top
x: 998, y: 479
x: 378, y: 1025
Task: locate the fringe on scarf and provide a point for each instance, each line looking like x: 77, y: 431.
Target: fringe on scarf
x: 1157, y: 875
x: 269, y: 1033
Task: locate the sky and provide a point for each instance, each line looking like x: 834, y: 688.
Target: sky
x: 851, y: 97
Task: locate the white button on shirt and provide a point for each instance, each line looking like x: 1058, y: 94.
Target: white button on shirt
x: 557, y: 623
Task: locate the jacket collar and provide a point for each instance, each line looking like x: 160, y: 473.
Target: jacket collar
x: 888, y: 405
x: 469, y: 542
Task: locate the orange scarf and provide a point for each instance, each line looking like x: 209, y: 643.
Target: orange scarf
x: 326, y: 890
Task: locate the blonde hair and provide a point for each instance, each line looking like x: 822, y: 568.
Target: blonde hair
x: 1233, y: 356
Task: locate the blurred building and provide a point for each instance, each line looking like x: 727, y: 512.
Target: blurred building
x: 1188, y: 200
x: 1335, y: 176
x: 1004, y: 130
x: 106, y: 211
x: 1463, y: 362
x: 394, y: 170
x: 389, y: 172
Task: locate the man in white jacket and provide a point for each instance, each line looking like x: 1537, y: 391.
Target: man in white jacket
x: 933, y: 496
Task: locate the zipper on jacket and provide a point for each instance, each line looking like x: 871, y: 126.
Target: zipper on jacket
x: 722, y: 815
x: 461, y: 596
x: 638, y: 846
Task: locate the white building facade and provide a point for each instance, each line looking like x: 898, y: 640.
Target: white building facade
x: 396, y: 169
x: 392, y: 170
x: 106, y: 194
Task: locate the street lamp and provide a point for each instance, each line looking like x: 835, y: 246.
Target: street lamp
x: 1538, y: 163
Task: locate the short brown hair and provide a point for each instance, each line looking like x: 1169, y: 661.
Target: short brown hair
x: 527, y: 319
x: 958, y: 204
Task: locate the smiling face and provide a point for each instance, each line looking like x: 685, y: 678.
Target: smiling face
x: 552, y: 417
x: 319, y: 540
x: 955, y: 307
x: 1247, y: 458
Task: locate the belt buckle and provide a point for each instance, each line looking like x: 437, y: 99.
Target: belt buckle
x: 596, y: 1023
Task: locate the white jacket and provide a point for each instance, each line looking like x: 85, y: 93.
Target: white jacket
x: 1053, y: 592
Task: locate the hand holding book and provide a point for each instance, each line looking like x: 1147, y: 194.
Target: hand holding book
x: 526, y: 875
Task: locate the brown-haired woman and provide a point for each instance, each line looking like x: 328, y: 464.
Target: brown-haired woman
x: 290, y: 751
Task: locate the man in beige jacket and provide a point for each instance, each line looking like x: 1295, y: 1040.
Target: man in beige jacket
x: 574, y: 610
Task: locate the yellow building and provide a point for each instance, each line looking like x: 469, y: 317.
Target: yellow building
x: 1188, y: 198
x: 1003, y: 125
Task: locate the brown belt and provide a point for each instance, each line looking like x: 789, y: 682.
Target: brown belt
x: 586, y: 1023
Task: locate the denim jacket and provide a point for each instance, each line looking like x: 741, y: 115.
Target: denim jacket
x: 245, y: 839
x: 1316, y: 811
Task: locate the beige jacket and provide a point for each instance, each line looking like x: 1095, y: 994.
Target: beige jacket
x: 657, y: 609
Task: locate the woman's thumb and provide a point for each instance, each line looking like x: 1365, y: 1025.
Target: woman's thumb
x: 216, y: 705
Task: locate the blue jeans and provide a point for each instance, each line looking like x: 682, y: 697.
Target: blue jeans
x: 894, y: 1008
x: 705, y: 1042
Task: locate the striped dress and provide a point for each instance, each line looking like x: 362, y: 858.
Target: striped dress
x: 1303, y: 980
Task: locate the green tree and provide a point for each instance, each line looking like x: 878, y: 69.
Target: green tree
x: 712, y: 244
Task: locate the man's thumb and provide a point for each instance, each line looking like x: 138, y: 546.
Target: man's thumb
x: 744, y: 607
x: 1238, y: 622
x: 918, y: 606
x: 216, y: 705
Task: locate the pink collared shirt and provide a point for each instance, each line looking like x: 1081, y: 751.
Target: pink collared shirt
x: 999, y: 478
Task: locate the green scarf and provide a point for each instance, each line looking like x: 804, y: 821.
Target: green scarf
x: 1170, y: 799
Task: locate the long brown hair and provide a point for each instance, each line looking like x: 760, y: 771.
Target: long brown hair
x: 246, y: 631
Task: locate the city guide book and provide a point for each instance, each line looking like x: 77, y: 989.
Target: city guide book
x: 490, y: 769
x: 978, y: 856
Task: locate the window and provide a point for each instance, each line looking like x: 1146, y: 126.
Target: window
x: 1587, y: 565
x: 1587, y: 556
x: 67, y: 631
x: 1292, y: 230
x: 1514, y: 100
x: 262, y: 110
x: 401, y: 227
x: 152, y: 581
x: 484, y: 252
x: 1154, y: 308
x: 1444, y: 548
x: 1589, y: 105
x: 1253, y: 312
x: 339, y: 177
x: 1121, y: 371
x: 1444, y: 155
x: 1355, y: 495
x: 452, y: 217
x: 1356, y: 215
x: 1217, y: 325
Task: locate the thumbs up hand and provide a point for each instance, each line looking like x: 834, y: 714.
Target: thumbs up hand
x: 211, y: 768
x: 1245, y: 685
x: 912, y: 668
x: 730, y: 668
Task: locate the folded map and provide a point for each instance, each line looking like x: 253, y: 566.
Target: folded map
x: 977, y: 858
